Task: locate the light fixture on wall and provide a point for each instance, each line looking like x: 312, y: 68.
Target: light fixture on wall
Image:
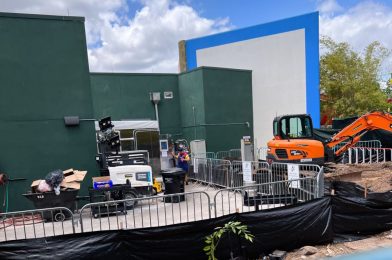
x: 71, y: 120
x: 74, y: 120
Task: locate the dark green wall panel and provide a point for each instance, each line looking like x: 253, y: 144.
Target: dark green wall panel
x: 126, y: 96
x: 192, y: 104
x: 222, y: 101
x: 44, y: 76
x: 228, y: 106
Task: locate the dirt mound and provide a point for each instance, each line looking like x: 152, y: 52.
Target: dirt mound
x: 375, y: 177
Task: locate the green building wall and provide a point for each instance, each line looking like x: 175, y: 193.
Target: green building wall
x: 228, y: 106
x: 44, y: 76
x: 217, y: 103
x: 127, y: 96
x: 192, y: 108
x: 208, y: 103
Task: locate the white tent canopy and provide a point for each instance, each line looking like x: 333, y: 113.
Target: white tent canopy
x: 132, y: 124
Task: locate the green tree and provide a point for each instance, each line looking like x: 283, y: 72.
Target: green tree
x: 388, y: 89
x: 349, y: 80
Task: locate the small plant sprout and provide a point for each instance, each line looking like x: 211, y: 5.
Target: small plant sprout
x: 234, y: 227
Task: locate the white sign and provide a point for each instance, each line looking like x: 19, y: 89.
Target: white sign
x: 293, y: 174
x: 247, y: 171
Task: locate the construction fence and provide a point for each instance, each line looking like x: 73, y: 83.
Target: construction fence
x: 365, y: 149
x: 272, y: 187
x: 230, y: 174
x: 361, y: 155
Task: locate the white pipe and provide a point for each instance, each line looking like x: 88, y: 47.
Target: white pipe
x: 156, y: 114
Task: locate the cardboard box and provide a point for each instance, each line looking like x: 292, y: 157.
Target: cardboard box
x: 68, y: 172
x: 35, y: 183
x: 80, y: 175
x: 70, y: 178
x: 70, y: 185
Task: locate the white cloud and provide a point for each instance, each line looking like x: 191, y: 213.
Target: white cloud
x: 146, y: 42
x: 329, y: 7
x: 360, y: 25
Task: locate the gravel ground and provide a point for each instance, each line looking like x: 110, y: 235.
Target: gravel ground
x: 325, y: 251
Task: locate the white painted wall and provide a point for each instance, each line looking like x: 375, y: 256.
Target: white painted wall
x: 278, y: 75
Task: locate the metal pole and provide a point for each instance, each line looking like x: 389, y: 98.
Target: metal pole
x: 194, y: 120
x: 156, y: 114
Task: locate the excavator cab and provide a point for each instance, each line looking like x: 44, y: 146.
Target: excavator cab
x: 293, y: 141
x: 293, y: 127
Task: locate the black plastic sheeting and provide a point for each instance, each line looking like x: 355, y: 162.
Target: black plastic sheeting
x: 356, y: 216
x: 346, y: 216
x: 284, y: 228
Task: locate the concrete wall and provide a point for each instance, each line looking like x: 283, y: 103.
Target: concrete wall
x: 44, y: 76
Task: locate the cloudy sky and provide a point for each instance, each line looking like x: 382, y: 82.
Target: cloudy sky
x: 142, y: 35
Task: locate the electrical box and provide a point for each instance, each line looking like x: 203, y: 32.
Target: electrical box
x: 155, y: 97
x: 165, y: 156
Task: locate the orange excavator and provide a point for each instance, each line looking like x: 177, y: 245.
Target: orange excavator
x: 294, y: 141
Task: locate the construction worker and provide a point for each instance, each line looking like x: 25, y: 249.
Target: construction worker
x: 183, y: 160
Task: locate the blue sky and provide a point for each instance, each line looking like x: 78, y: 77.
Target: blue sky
x: 142, y: 35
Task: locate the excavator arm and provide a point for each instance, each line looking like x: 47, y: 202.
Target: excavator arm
x: 353, y: 132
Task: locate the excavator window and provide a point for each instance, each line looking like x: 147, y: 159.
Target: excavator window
x: 294, y: 127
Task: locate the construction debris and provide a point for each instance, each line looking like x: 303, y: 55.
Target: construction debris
x: 373, y: 177
x: 71, y: 180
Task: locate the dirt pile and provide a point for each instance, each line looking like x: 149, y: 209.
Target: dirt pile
x: 375, y: 177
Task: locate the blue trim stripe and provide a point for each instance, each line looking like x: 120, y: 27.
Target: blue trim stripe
x: 309, y: 22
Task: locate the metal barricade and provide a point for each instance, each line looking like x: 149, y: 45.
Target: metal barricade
x: 211, y: 171
x: 222, y: 154
x: 262, y: 153
x: 260, y: 173
x: 235, y: 153
x: 358, y: 155
x: 280, y: 172
x: 145, y: 212
x: 232, y: 154
x: 201, y: 170
x: 263, y: 196
x: 360, y: 144
x: 36, y: 223
x: 363, y: 144
x: 207, y: 155
x: 220, y: 171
